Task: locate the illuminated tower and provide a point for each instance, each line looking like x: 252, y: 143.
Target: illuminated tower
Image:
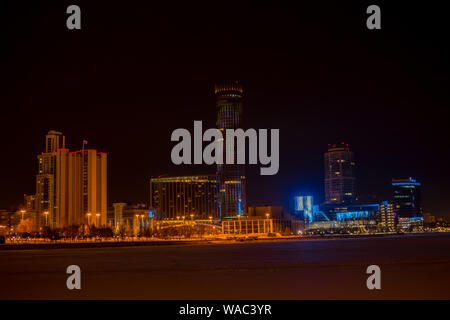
x: 339, y: 175
x: 233, y: 199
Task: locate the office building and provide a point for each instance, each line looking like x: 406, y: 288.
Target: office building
x: 233, y: 200
x: 70, y: 186
x: 406, y: 195
x: 185, y: 197
x: 340, y: 182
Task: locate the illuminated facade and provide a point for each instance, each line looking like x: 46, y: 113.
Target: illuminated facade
x: 247, y: 226
x: 363, y: 213
x: 87, y: 202
x: 340, y: 182
x: 386, y: 217
x: 233, y: 200
x: 406, y: 195
x: 360, y: 218
x: 304, y: 206
x: 70, y: 186
x: 185, y: 197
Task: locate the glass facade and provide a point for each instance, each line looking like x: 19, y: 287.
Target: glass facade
x: 233, y: 200
x: 186, y: 197
x: 406, y: 194
x: 340, y: 182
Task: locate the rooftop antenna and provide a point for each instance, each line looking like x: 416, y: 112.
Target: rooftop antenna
x: 84, y: 142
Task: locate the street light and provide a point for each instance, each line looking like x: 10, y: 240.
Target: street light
x: 98, y: 219
x: 192, y: 217
x: 89, y: 218
x: 267, y: 215
x: 23, y: 211
x: 137, y: 218
x: 46, y: 217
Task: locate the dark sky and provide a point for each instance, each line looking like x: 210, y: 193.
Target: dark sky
x: 134, y: 73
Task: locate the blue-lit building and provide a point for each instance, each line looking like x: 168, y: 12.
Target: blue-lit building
x: 362, y: 214
x: 340, y: 217
x: 304, y: 207
x: 406, y: 196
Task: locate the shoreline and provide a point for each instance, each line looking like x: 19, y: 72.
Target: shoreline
x: 237, y: 240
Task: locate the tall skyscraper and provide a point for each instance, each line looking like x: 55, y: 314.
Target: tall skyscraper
x: 340, y: 181
x: 70, y: 186
x: 233, y: 199
x: 406, y: 195
x: 176, y: 198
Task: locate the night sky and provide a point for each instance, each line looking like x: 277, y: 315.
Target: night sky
x: 134, y: 73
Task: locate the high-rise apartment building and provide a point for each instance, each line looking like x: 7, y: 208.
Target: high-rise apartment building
x: 70, y: 186
x: 340, y: 181
x: 186, y: 197
x: 233, y: 200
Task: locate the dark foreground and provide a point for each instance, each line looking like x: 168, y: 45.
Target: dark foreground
x: 412, y: 267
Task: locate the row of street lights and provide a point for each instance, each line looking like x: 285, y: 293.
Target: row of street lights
x: 267, y: 216
x: 142, y: 218
x: 89, y: 214
x: 184, y: 217
x: 45, y: 214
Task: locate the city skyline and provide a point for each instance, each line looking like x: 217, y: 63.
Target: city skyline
x: 56, y: 157
x: 383, y: 94
x: 340, y: 149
